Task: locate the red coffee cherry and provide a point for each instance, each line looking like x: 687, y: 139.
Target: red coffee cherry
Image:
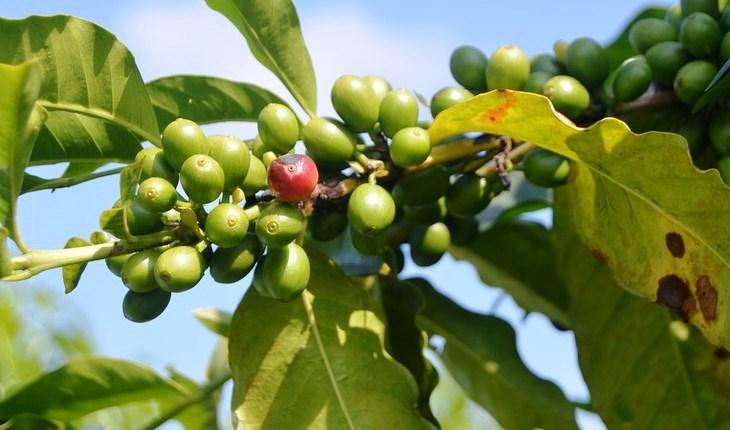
x: 293, y: 177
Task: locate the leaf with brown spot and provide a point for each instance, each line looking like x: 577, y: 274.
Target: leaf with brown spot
x: 644, y: 368
x: 628, y: 191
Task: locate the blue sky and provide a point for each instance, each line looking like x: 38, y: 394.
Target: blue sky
x: 408, y: 42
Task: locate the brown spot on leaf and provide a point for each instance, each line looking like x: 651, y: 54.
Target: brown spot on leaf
x: 599, y: 256
x: 498, y: 111
x: 707, y: 296
x: 673, y: 292
x: 722, y: 353
x: 675, y: 244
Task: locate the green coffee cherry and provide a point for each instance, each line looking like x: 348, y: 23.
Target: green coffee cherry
x: 725, y: 48
x: 327, y: 225
x: 468, y: 66
x: 156, y: 195
x: 692, y: 79
x: 233, y: 156
x: 508, y: 68
x: 256, y: 178
x: 447, y: 97
x: 700, y: 34
x: 278, y: 127
x: 425, y: 214
x: 546, y: 63
x: 422, y: 187
x: 372, y: 245
x: 710, y: 7
x: 140, y: 220
x: 723, y: 165
x: 202, y: 178
x: 410, y: 147
x: 725, y: 19
x: 144, y: 307
x: 138, y: 272
x: 379, y: 85
x: 279, y: 224
x: 536, y: 82
x: 226, y: 225
x: 719, y: 130
x: 428, y: 244
x: 463, y: 230
x: 179, y: 269
x: 182, y: 139
x: 665, y: 59
x: 398, y: 110
x: 674, y: 16
x: 567, y: 94
x: 694, y: 129
x: 355, y: 102
x: 648, y: 32
x: 116, y: 264
x: 468, y: 196
x: 370, y: 209
x: 153, y: 163
x: 632, y: 79
x: 587, y: 61
x: 328, y: 142
x: 229, y: 265
x: 283, y: 273
x: 258, y: 148
x: 546, y: 169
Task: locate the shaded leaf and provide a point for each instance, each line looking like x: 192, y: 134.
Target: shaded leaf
x: 76, y: 138
x: 521, y: 208
x: 323, y: 352
x: 72, y: 273
x: 481, y: 354
x: 215, y: 320
x: 20, y: 120
x: 521, y: 191
x: 200, y: 416
x: 99, y: 75
x: 500, y: 256
x: 644, y: 369
x: 404, y: 340
x: 273, y: 33
x: 88, y: 384
x: 638, y: 198
x: 33, y: 422
x: 620, y: 48
x: 206, y: 99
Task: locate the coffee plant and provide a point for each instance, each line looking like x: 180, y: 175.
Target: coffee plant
x: 632, y: 139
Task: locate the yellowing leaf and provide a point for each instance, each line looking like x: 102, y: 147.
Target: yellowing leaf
x: 641, y: 206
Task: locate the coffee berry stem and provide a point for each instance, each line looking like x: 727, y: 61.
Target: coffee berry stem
x: 515, y: 155
x: 252, y: 212
x: 443, y: 154
x: 34, y: 262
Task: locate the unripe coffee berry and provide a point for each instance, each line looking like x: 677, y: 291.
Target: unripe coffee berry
x: 156, y: 195
x: 226, y: 225
x: 202, y: 178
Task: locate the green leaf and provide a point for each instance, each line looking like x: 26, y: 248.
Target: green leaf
x: 81, y: 168
x: 201, y: 415
x: 72, y: 273
x: 20, y: 121
x: 215, y: 320
x: 644, y: 370
x: 638, y: 198
x: 114, y: 221
x: 273, y: 33
x: 86, y: 385
x: 717, y: 89
x: 620, y: 49
x: 520, y: 194
x: 325, y: 353
x: 481, y: 354
x: 33, y: 422
x: 205, y: 99
x: 99, y: 75
x: 76, y: 138
x: 404, y: 340
x: 500, y: 256
x: 521, y: 208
